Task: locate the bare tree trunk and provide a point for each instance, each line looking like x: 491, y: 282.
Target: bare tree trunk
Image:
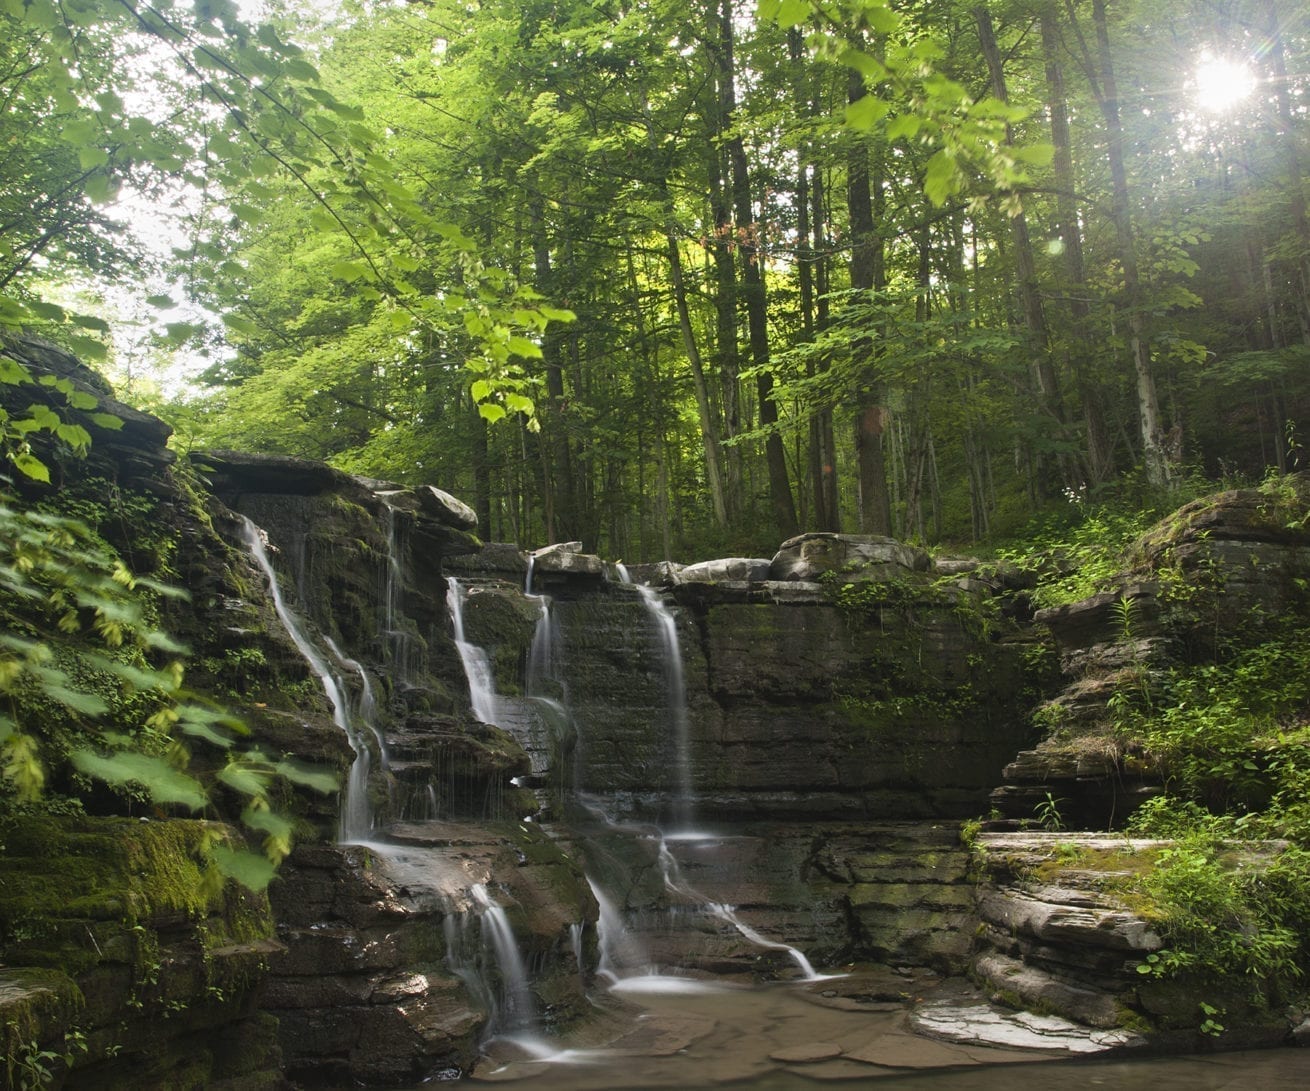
x: 725, y: 326
x: 832, y: 499
x: 557, y: 459
x: 1295, y: 185
x: 752, y: 288
x: 811, y: 273
x: 1154, y: 452
x: 1034, y: 319
x: 1099, y: 454
x: 867, y: 274
x: 708, y: 426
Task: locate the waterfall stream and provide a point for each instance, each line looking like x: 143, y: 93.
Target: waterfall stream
x: 624, y: 963
x: 399, y: 642
x: 356, y: 812
x: 666, y: 628
x: 477, y: 666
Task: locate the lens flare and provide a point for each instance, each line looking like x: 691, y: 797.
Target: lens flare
x: 1221, y: 83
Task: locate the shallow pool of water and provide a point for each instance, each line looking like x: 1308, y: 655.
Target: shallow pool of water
x: 789, y: 1037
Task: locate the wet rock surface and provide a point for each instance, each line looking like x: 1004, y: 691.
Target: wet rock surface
x: 829, y: 693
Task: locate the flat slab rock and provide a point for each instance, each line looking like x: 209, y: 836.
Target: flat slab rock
x: 966, y: 1021
x: 809, y: 1053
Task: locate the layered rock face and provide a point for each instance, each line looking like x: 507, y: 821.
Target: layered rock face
x: 731, y: 764
x: 122, y: 962
x: 873, y: 694
x: 386, y: 976
x: 1210, y: 576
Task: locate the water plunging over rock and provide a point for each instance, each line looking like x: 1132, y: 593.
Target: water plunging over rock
x: 356, y: 815
x: 843, y: 708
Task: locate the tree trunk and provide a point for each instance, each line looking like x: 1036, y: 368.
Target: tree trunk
x: 708, y: 425
x: 1034, y: 319
x: 557, y: 460
x: 752, y: 289
x: 725, y: 325
x: 811, y: 276
x: 1099, y: 454
x: 1154, y: 452
x: 867, y: 274
x: 1294, y: 183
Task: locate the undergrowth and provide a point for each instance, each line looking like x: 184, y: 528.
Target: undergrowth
x: 1228, y: 724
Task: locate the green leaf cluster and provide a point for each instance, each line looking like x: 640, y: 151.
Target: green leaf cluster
x: 90, y: 687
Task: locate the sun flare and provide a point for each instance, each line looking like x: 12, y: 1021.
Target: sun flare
x: 1221, y: 83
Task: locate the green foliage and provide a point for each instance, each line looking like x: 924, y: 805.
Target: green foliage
x: 1078, y: 552
x: 63, y: 420
x: 103, y: 99
x: 1233, y: 741
x: 84, y: 692
x: 1048, y: 813
x: 30, y: 1068
x: 1228, y: 915
x: 914, y: 98
x: 1233, y: 735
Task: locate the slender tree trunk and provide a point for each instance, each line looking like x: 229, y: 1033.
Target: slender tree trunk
x: 1099, y: 454
x: 867, y: 274
x: 557, y: 460
x: 481, y: 471
x: 725, y: 325
x: 1294, y: 182
x: 1030, y: 300
x: 810, y: 269
x: 677, y: 280
x: 822, y: 285
x: 750, y: 251
x: 1154, y: 451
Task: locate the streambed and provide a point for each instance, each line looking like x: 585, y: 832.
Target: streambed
x: 792, y: 1036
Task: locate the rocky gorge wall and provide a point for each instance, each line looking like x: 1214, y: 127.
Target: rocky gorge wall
x: 841, y: 708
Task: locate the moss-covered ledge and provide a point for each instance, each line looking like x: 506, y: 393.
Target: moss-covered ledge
x: 125, y: 960
x: 1071, y: 925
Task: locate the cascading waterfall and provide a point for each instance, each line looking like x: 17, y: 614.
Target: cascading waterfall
x: 400, y: 644
x: 356, y: 813
x: 624, y: 961
x: 541, y: 654
x: 477, y: 667
x: 618, y: 948
x: 366, y: 714
x: 676, y: 701
x: 512, y: 1012
x: 518, y: 1011
x: 676, y: 884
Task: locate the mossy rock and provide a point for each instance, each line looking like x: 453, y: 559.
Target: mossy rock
x: 122, y: 931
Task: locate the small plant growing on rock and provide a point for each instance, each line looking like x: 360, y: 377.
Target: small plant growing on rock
x: 1048, y: 813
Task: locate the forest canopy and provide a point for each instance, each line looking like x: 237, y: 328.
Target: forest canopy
x: 676, y: 278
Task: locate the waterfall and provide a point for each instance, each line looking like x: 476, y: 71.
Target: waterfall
x: 624, y: 961
x: 359, y: 823
x: 356, y: 813
x: 398, y: 641
x: 541, y: 655
x: 512, y: 1012
x: 676, y: 884
x: 618, y: 948
x: 477, y: 667
x: 676, y: 700
x: 518, y: 1011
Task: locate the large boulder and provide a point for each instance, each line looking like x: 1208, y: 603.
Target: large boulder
x: 854, y: 557
x: 134, y: 454
x: 726, y: 569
